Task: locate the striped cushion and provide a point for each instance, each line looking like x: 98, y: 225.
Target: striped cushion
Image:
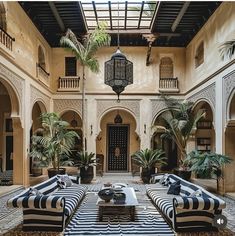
x: 72, y: 195
x: 163, y: 201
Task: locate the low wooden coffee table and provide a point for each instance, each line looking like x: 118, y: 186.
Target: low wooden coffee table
x: 111, y: 208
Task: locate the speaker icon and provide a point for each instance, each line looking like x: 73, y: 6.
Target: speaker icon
x: 220, y: 221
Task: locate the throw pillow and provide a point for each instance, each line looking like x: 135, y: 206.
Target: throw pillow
x: 65, y: 178
x: 34, y: 192
x: 174, y: 188
x: 61, y: 183
x: 197, y: 193
x: 163, y: 180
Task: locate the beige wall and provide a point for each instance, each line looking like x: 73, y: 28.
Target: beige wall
x: 27, y: 39
x: 146, y: 78
x: 219, y: 28
x: 128, y: 119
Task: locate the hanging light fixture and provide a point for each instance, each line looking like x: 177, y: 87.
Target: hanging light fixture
x: 118, y: 119
x: 118, y: 70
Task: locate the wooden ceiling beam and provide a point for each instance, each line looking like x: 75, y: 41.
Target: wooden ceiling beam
x: 125, y: 15
x: 141, y: 12
x: 110, y: 15
x: 57, y: 15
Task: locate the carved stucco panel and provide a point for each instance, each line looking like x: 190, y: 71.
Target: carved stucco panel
x: 228, y: 88
x: 37, y: 95
x: 207, y: 93
x: 61, y: 105
x: 157, y: 107
x: 16, y: 82
x: 131, y: 105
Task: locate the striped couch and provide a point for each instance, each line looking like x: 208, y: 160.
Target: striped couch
x: 50, y: 211
x: 186, y: 213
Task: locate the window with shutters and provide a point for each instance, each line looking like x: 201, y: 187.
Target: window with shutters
x: 70, y: 66
x: 199, y: 56
x: 166, y: 68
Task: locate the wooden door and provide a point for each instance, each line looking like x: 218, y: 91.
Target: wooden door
x: 118, y: 139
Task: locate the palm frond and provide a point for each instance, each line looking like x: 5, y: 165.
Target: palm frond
x: 227, y: 49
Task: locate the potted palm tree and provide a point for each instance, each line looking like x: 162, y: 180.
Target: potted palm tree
x: 86, y: 163
x: 180, y: 121
x: 208, y: 164
x: 147, y: 159
x: 52, y: 144
x: 85, y: 53
x: 227, y: 49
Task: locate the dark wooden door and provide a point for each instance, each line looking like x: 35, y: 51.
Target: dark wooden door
x: 118, y: 137
x: 9, y: 151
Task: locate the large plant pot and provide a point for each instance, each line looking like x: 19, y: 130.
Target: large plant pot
x: 184, y: 174
x: 146, y: 174
x: 52, y: 172
x: 86, y: 175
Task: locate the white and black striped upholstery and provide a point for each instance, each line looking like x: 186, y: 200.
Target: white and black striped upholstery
x: 50, y: 211
x: 186, y: 213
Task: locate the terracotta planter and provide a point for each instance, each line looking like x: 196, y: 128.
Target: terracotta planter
x: 52, y: 172
x: 184, y: 174
x: 86, y: 175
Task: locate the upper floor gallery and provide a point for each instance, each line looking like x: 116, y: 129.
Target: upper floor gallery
x: 171, y: 69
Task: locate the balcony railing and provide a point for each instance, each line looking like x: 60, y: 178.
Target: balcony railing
x: 68, y: 83
x: 169, y: 85
x: 41, y: 72
x: 6, y: 39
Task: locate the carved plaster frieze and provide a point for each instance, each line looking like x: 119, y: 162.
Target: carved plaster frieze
x: 157, y: 107
x: 61, y: 105
x: 14, y: 80
x: 229, y: 85
x: 37, y: 95
x: 132, y: 105
x: 207, y: 93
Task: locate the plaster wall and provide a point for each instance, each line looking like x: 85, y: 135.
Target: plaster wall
x: 146, y: 78
x: 219, y: 28
x: 27, y: 39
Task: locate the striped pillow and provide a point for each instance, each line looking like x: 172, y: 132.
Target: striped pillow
x: 35, y: 192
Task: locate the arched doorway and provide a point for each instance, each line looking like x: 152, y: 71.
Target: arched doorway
x: 117, y: 141
x: 167, y: 145
x: 37, y: 110
x: 11, y: 135
x: 75, y: 121
x: 229, y: 171
x: 205, y: 133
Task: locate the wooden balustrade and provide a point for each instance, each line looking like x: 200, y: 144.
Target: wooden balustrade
x: 69, y: 83
x: 42, y: 72
x: 168, y: 85
x: 6, y: 39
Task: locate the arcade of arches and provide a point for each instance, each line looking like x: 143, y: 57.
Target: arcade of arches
x: 114, y: 131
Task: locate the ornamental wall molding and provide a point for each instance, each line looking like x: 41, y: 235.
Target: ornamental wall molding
x: 36, y: 95
x: 157, y: 107
x: 206, y: 94
x: 14, y: 80
x: 63, y: 105
x: 104, y: 105
x: 228, y: 91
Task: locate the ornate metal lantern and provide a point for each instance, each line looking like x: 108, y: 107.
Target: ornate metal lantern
x: 118, y: 72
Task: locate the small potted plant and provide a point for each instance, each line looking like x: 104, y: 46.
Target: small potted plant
x: 52, y: 144
x: 86, y: 163
x: 147, y: 159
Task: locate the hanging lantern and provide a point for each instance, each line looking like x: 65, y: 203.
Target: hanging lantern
x: 118, y: 72
x: 118, y: 119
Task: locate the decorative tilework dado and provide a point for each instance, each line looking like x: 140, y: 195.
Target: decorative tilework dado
x: 14, y: 80
x: 61, y: 105
x: 207, y: 93
x: 36, y: 95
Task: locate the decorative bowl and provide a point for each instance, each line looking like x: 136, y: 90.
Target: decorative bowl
x: 106, y: 194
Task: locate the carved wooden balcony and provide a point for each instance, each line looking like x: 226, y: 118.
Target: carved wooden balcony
x: 6, y: 39
x: 168, y: 85
x: 69, y: 83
